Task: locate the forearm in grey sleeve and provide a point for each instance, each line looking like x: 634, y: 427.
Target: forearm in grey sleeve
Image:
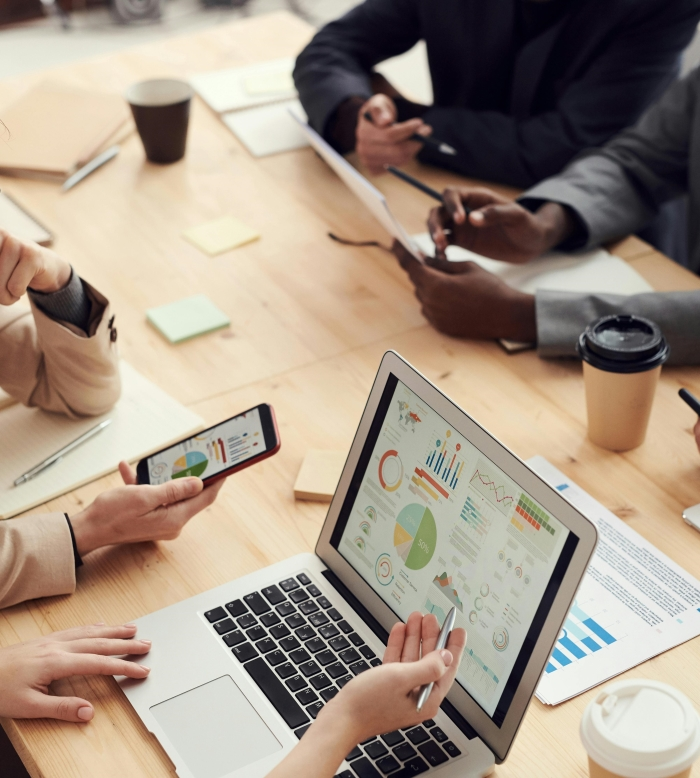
x: 604, y: 199
x: 563, y: 316
x: 70, y: 304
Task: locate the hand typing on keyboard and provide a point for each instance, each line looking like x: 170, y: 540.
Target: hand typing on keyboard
x: 379, y: 700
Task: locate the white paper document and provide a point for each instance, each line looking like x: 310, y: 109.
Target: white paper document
x: 373, y: 199
x: 633, y: 604
x: 268, y: 129
x: 596, y: 271
x: 236, y: 88
x: 144, y: 420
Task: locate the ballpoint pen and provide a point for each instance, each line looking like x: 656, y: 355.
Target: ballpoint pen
x: 61, y: 452
x: 90, y: 167
x: 427, y: 140
x: 447, y: 627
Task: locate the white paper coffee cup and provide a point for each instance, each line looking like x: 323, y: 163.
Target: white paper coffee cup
x: 641, y: 729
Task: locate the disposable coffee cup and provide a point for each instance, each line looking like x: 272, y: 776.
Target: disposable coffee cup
x: 161, y: 109
x: 640, y: 729
x: 622, y: 358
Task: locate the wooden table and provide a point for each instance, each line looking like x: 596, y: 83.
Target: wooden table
x: 310, y: 322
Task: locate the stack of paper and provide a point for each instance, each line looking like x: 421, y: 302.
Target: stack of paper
x: 633, y: 603
x: 144, y: 420
x: 244, y: 87
x: 254, y: 103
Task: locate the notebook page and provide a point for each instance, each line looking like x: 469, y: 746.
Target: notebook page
x: 596, y: 271
x: 144, y: 420
x: 235, y: 88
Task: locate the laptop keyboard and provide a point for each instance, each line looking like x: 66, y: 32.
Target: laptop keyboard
x: 300, y: 651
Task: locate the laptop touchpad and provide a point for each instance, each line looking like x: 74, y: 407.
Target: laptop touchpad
x: 215, y: 729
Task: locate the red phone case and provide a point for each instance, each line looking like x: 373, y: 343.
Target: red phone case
x: 249, y: 462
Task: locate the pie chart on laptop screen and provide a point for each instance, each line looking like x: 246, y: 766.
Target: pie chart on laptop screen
x: 415, y: 536
x: 191, y: 463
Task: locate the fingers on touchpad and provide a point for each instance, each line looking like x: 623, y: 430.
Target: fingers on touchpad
x: 215, y: 729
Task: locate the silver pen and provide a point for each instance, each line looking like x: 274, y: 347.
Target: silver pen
x: 62, y: 452
x: 90, y: 167
x: 447, y: 627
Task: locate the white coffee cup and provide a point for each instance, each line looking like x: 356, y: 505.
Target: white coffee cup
x: 641, y: 729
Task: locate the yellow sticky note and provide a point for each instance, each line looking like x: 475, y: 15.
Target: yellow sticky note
x: 220, y: 235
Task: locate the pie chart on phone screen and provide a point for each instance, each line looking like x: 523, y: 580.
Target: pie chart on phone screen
x: 191, y: 463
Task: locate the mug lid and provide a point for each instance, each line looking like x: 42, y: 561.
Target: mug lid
x: 641, y: 729
x: 623, y: 344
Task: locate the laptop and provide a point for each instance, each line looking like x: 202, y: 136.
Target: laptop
x: 431, y: 512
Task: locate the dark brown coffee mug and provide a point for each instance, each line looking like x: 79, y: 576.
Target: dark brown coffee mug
x: 161, y: 109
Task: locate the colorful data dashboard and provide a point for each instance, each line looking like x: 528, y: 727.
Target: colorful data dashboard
x: 437, y: 525
x: 212, y: 451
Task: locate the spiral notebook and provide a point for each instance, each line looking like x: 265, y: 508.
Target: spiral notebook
x: 144, y: 420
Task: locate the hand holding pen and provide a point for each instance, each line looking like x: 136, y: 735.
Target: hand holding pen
x: 381, y: 141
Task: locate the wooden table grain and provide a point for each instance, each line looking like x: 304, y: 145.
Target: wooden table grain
x: 310, y: 322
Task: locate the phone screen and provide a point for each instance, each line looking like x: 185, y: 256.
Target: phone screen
x: 211, y: 451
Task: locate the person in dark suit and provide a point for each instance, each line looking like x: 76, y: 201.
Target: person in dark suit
x: 604, y: 194
x: 520, y: 86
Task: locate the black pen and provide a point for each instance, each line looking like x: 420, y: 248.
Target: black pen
x: 415, y: 182
x: 691, y: 399
x: 443, y: 148
x: 409, y: 179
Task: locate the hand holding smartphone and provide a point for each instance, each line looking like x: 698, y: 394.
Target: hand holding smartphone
x: 217, y: 452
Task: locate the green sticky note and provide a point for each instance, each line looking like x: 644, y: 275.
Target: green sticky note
x: 187, y: 318
x: 220, y: 235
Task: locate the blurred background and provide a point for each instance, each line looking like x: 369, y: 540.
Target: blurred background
x: 37, y: 34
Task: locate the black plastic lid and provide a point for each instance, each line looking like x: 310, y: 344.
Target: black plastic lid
x: 623, y: 344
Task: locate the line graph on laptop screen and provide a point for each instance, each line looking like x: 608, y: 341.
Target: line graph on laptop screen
x: 450, y: 528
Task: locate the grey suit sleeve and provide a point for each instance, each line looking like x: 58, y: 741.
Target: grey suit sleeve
x: 563, y: 316
x: 618, y: 188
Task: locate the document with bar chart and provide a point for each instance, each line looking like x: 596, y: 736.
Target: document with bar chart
x: 633, y: 604
x: 211, y: 451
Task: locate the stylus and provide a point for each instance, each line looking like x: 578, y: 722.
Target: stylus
x: 447, y: 627
x: 61, y: 452
x: 427, y: 140
x: 691, y: 399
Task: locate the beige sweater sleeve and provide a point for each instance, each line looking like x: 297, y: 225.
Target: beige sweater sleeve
x: 36, y: 558
x: 54, y: 365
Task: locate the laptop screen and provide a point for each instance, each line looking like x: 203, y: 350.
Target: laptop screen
x: 430, y: 522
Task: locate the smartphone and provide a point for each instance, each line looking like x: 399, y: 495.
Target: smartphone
x: 216, y: 452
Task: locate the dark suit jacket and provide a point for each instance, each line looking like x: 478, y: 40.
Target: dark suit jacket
x: 515, y: 117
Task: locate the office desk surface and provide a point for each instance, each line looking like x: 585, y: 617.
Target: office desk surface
x: 310, y: 322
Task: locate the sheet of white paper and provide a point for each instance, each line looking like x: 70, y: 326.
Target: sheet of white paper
x: 229, y: 90
x: 268, y: 129
x: 373, y: 199
x: 633, y: 603
x: 144, y: 420
x: 586, y: 271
